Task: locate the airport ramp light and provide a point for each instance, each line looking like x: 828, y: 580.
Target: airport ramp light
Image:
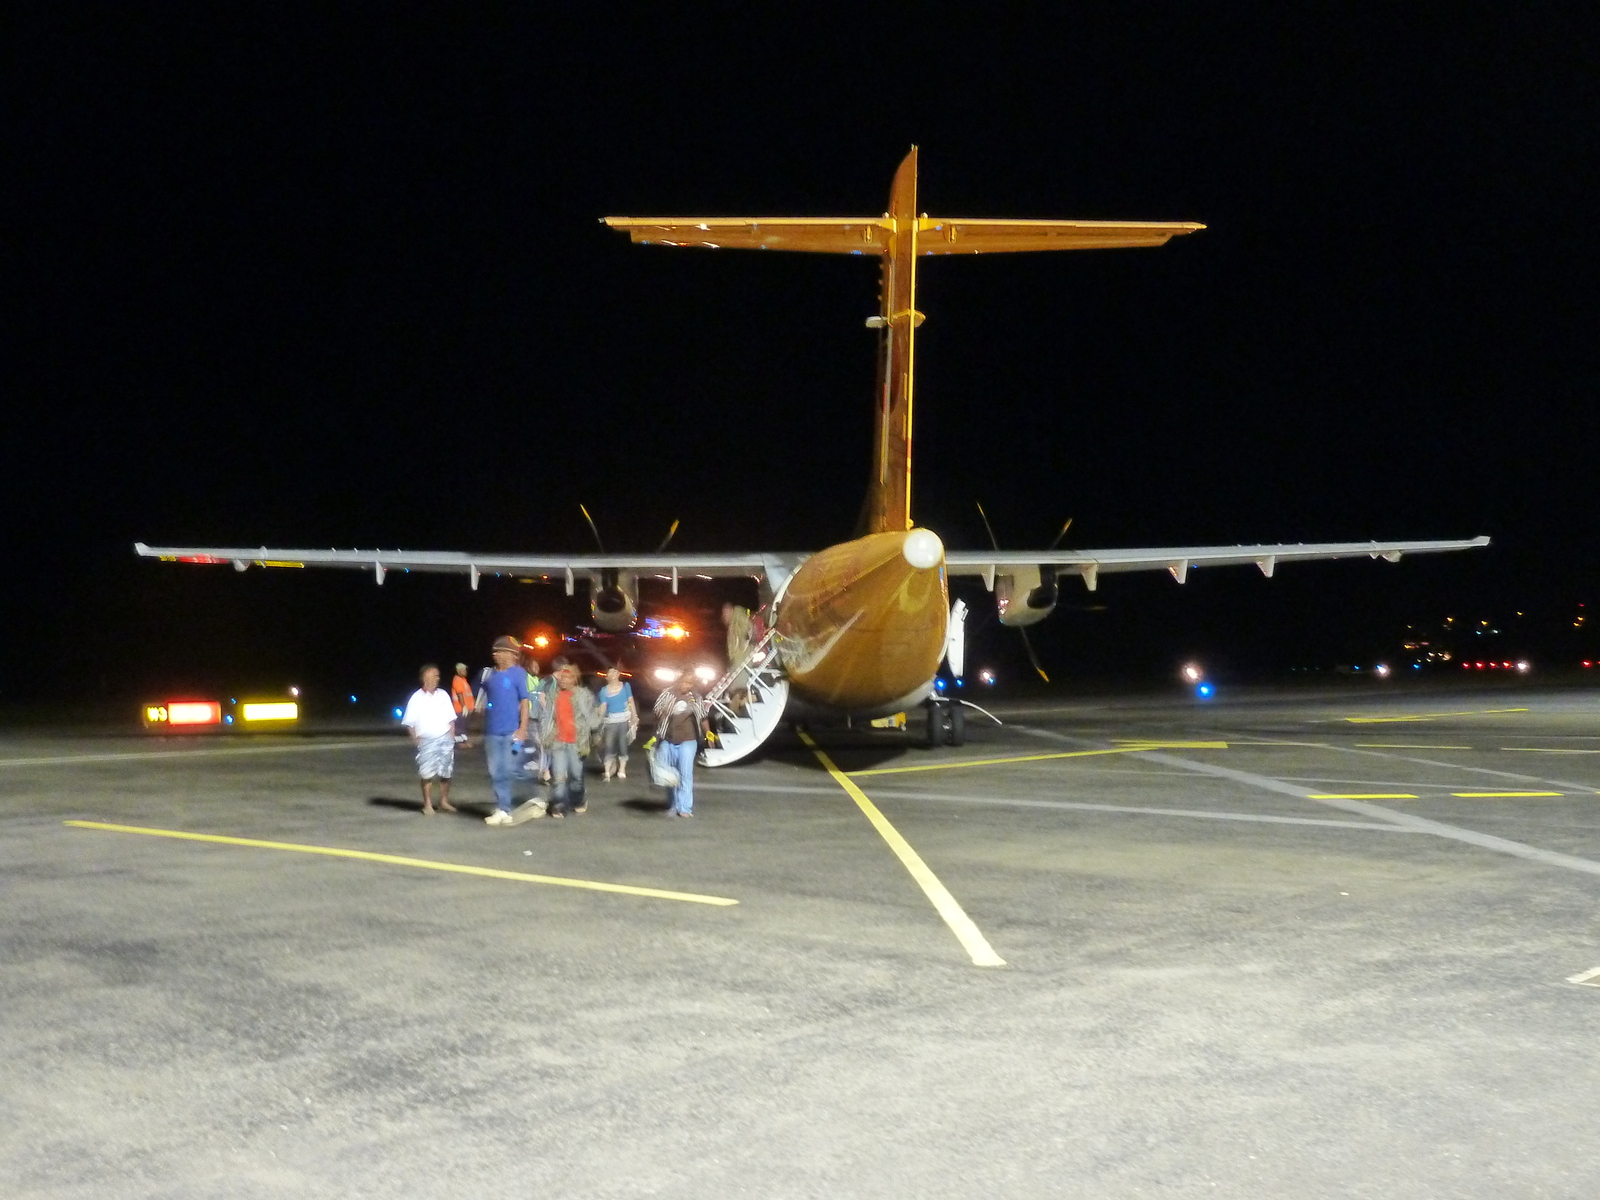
x: 254, y: 712
x: 172, y: 714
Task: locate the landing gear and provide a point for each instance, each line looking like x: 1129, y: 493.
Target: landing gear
x: 947, y: 723
x: 958, y: 724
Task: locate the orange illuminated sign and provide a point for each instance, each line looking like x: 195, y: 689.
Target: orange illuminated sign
x: 194, y: 712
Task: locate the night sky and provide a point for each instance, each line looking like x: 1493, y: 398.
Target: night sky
x: 323, y: 277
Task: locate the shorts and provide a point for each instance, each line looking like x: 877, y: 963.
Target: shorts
x: 614, y: 739
x: 436, y: 757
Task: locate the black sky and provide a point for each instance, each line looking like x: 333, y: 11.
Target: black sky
x: 326, y: 276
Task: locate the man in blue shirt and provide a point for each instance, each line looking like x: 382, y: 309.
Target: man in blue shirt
x: 505, y: 692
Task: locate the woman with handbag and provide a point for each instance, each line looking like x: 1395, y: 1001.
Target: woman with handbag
x: 618, y: 726
x: 680, y: 727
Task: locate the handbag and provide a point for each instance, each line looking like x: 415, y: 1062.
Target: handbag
x: 662, y: 772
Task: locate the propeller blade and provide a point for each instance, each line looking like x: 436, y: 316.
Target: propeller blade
x: 993, y: 541
x: 1059, y: 536
x: 1032, y: 657
x: 592, y: 528
x: 668, y: 538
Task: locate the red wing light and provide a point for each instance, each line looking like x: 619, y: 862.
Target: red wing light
x: 201, y: 558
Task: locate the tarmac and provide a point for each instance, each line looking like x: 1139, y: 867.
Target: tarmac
x: 1319, y: 943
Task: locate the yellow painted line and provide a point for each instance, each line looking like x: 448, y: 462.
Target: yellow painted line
x: 1022, y: 758
x: 1496, y: 795
x: 1545, y: 750
x: 401, y: 861
x: 1481, y: 712
x: 1361, y: 796
x: 1408, y: 746
x: 967, y: 933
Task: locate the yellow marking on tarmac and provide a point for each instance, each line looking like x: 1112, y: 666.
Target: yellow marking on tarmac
x: 1546, y: 750
x: 1498, y: 795
x: 1408, y: 746
x: 1361, y: 796
x: 967, y: 933
x: 401, y: 861
x: 1481, y: 712
x: 1022, y: 758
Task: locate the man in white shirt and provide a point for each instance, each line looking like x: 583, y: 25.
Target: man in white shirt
x: 430, y: 718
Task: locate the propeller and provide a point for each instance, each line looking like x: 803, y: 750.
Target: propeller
x: 995, y: 542
x: 592, y: 528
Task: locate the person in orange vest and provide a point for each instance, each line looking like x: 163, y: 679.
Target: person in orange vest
x: 461, y: 697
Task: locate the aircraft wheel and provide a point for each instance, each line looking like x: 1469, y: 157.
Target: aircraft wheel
x: 958, y: 725
x: 936, y: 725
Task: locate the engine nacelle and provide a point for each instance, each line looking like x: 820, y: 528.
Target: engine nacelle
x: 1025, y: 595
x: 614, y: 600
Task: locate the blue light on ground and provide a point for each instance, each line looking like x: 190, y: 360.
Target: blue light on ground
x: 228, y: 720
x: 1204, y: 691
x: 398, y: 714
x: 352, y: 699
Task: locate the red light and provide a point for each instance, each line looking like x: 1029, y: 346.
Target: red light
x: 1587, y: 663
x: 1480, y: 666
x: 194, y: 712
x: 201, y: 558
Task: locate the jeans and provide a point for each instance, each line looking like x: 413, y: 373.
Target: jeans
x: 681, y: 756
x: 504, y: 766
x: 566, y: 777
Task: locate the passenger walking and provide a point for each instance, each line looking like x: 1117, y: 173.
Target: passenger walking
x: 461, y: 699
x: 535, y: 765
x: 680, y: 725
x: 430, y: 718
x: 567, y: 732
x: 620, y: 725
x: 505, y: 725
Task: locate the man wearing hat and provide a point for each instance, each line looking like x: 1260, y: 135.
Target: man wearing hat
x: 505, y: 691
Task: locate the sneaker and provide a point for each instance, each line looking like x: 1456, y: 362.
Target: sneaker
x: 497, y: 818
x: 580, y: 807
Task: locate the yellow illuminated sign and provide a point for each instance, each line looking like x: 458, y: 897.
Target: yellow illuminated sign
x: 284, y: 710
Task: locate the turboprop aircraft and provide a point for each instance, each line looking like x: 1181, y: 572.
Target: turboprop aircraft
x: 857, y: 629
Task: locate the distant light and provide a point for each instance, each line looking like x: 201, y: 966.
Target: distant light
x: 1382, y: 670
x: 704, y: 673
x: 352, y: 699
x: 666, y: 674
x: 986, y: 676
x: 1524, y: 666
x: 961, y: 683
x: 541, y: 641
x: 1416, y: 666
x: 294, y: 691
x: 398, y: 714
x: 285, y: 710
x: 1587, y: 663
x: 207, y: 712
x: 228, y: 720
x: 1193, y: 673
x: 676, y: 632
x: 938, y: 685
x: 1205, y: 691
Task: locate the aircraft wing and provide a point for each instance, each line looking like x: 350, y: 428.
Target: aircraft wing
x: 872, y: 235
x: 474, y: 566
x: 1178, y: 559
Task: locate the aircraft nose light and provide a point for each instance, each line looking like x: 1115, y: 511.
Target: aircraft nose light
x: 923, y: 549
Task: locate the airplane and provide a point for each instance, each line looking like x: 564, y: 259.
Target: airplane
x: 857, y: 629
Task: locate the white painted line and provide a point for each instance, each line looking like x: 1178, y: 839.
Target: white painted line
x: 1471, y: 837
x: 66, y: 760
x: 1590, y: 977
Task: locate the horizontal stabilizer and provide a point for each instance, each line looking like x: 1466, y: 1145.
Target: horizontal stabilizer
x: 872, y: 235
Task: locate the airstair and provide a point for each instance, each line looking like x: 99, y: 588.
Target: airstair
x: 743, y: 722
